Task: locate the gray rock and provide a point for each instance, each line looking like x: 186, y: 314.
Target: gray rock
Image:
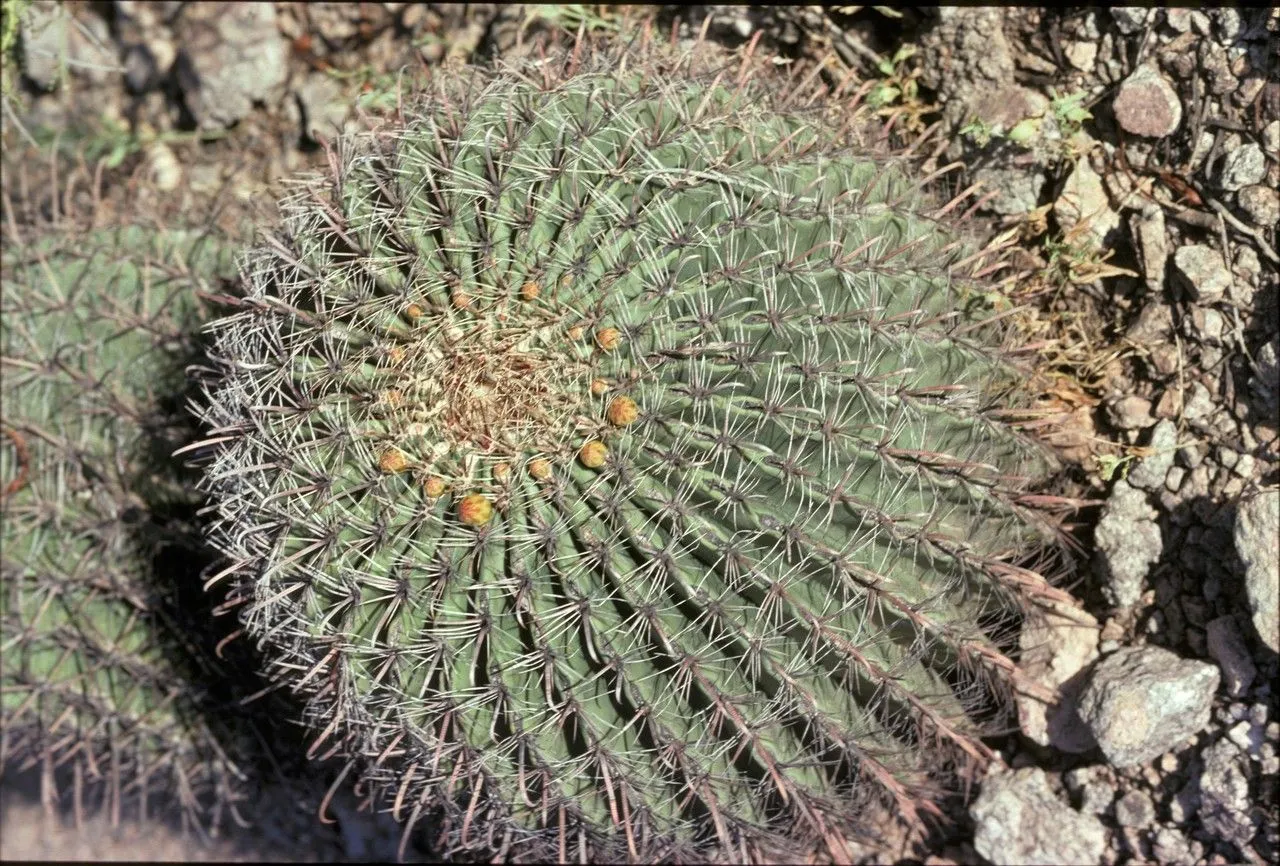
x: 1148, y: 229
x: 1206, y: 325
x: 1147, y: 105
x: 1170, y: 847
x: 1243, y: 167
x: 1081, y: 55
x: 1130, y: 412
x: 1057, y: 643
x: 1140, y: 702
x: 1083, y: 198
x: 232, y: 56
x: 1203, y: 271
x: 1257, y: 536
x: 1261, y: 203
x: 1020, y: 821
x: 324, y: 110
x: 1271, y: 137
x: 1247, y: 269
x: 1265, y: 382
x: 1153, y: 324
x: 45, y: 32
x: 1130, y: 19
x: 1128, y: 542
x: 1178, y: 18
x: 149, y: 51
x: 1196, y: 484
x: 1227, y: 24
x: 1227, y: 648
x: 1224, y: 794
x: 1018, y: 189
x: 969, y: 62
x: 91, y: 53
x: 1199, y: 402
x: 1150, y: 472
x: 1135, y: 809
x: 1095, y: 790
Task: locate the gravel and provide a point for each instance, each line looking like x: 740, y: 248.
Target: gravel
x: 1093, y: 787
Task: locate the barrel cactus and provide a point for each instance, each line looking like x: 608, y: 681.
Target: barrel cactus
x: 104, y: 681
x: 610, y: 460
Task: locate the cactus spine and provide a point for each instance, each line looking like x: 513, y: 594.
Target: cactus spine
x: 100, y: 667
x: 609, y: 462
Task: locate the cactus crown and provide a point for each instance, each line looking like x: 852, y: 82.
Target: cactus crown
x: 609, y: 461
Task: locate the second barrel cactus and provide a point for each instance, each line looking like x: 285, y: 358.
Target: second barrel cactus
x: 108, y: 680
x: 610, y: 461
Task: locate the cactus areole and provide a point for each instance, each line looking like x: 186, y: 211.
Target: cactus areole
x: 609, y: 462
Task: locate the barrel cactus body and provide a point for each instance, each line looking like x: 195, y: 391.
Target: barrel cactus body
x: 610, y: 462
x: 99, y: 669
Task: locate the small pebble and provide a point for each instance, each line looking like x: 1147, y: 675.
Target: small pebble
x: 1239, y: 734
x: 1243, y: 167
x: 1135, y: 809
x: 1147, y: 105
x: 1261, y: 203
x: 1202, y: 270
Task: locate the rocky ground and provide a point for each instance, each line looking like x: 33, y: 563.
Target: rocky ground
x: 1135, y: 152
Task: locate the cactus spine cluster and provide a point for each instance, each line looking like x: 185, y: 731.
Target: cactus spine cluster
x: 102, y: 679
x: 609, y: 461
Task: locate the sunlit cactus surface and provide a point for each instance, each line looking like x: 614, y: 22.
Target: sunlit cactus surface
x: 609, y: 459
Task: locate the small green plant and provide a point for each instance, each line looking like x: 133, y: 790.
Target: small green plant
x: 1069, y: 111
x: 1075, y: 257
x: 979, y: 132
x: 373, y: 91
x: 11, y: 12
x: 109, y: 140
x: 608, y: 462
x: 1109, y: 464
x: 898, y: 91
x: 570, y: 17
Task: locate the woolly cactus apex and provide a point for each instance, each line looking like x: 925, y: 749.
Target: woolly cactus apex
x: 610, y: 463
x: 98, y: 667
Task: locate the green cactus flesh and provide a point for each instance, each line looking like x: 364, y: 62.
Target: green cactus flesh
x: 94, y: 671
x: 610, y: 458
